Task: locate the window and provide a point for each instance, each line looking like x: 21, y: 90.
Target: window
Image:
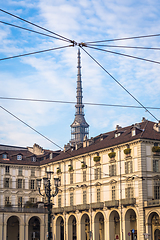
x: 59, y: 200
x: 4, y: 156
x: 34, y: 159
x: 33, y: 200
x: 19, y: 157
x: 20, y: 171
x: 6, y: 182
x: 133, y: 132
x: 84, y: 176
x: 71, y: 199
x: 113, y: 192
x: 32, y: 172
x: 112, y: 170
x: 155, y: 165
x: 7, y: 169
x: 19, y: 201
x: 157, y: 189
x: 84, y: 197
x: 129, y: 191
x: 7, y: 202
x: 128, y: 167
x: 97, y: 173
x: 71, y: 178
x: 19, y: 183
x: 98, y: 195
x: 32, y: 184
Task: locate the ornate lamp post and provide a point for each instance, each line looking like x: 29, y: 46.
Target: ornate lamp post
x: 49, y: 195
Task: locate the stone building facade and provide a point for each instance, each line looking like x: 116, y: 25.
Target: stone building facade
x: 110, y: 188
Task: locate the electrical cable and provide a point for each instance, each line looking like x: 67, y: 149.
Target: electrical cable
x: 132, y: 47
x: 34, y: 24
x: 126, y: 38
x: 119, y: 84
x: 27, y: 54
x: 30, y: 127
x: 125, y: 55
x: 69, y: 102
x: 27, y: 29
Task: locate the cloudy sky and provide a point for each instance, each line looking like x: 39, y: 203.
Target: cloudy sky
x: 52, y: 75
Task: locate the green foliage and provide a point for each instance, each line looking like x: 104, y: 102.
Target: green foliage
x: 112, y: 154
x: 127, y: 151
x: 58, y: 171
x: 29, y: 204
x: 155, y: 149
x: 70, y: 169
x: 84, y: 165
x: 96, y: 159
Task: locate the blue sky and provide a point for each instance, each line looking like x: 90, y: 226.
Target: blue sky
x: 53, y: 75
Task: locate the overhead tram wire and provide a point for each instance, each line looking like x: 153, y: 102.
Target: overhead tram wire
x: 24, y: 20
x: 119, y: 83
x: 125, y: 38
x: 30, y: 127
x: 32, y: 53
x: 114, y: 46
x: 69, y: 102
x: 27, y: 29
x: 124, y: 55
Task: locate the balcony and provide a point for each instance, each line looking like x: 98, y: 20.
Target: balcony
x: 97, y: 205
x: 58, y: 210
x: 70, y: 208
x: 128, y: 201
x: 152, y: 203
x: 112, y: 203
x: 23, y: 210
x: 82, y: 207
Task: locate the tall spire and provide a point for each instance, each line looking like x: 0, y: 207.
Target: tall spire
x: 79, y: 128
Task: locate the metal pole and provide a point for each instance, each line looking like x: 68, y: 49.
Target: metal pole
x: 90, y: 234
x: 49, y: 210
x: 65, y: 234
x: 121, y: 193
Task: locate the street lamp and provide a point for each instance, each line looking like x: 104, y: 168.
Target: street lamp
x: 49, y: 195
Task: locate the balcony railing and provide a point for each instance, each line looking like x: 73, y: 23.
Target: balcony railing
x: 112, y: 203
x: 128, y: 201
x: 97, y: 205
x: 152, y: 203
x: 23, y: 210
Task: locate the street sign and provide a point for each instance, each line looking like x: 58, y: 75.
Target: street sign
x: 117, y: 236
x: 129, y: 234
x: 132, y: 230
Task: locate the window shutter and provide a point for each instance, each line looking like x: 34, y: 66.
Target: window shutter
x: 23, y: 184
x: 126, y: 192
x: 110, y: 170
x: 29, y: 184
x: 114, y: 170
x: 126, y: 167
x: 131, y: 167
x: 16, y: 183
x: 10, y: 183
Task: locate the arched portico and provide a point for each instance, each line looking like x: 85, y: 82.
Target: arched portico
x: 13, y: 228
x: 154, y: 225
x: 114, y: 225
x: 60, y: 228
x: 34, y: 228
x: 99, y: 226
x: 72, y: 228
x: 85, y: 227
x: 131, y: 224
